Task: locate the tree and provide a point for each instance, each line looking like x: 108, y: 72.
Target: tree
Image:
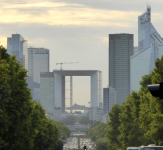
x: 23, y: 124
x: 102, y: 144
x: 64, y: 131
x: 84, y: 120
x: 156, y: 105
x: 129, y: 122
x: 113, y: 125
x: 15, y: 105
x: 46, y: 132
x: 68, y: 120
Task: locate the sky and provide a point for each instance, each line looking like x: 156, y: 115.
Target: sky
x: 75, y: 31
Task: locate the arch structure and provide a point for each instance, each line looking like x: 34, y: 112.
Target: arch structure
x: 59, y: 88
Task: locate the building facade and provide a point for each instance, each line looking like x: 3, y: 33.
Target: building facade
x: 38, y: 60
x: 105, y: 118
x: 105, y: 101
x: 95, y: 113
x: 120, y: 50
x: 16, y: 45
x: 112, y: 98
x: 150, y: 48
x: 52, y: 90
x: 35, y: 89
x: 47, y: 92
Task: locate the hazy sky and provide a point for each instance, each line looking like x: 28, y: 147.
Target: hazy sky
x: 75, y: 31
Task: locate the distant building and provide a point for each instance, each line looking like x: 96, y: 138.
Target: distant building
x: 52, y: 91
x: 105, y: 118
x: 35, y: 89
x: 120, y: 50
x: 112, y: 98
x: 47, y: 92
x: 49, y: 116
x: 136, y: 50
x: 38, y: 60
x: 150, y: 48
x: 105, y: 101
x: 95, y: 113
x: 16, y: 45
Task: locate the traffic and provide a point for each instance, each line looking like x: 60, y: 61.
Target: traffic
x: 82, y: 142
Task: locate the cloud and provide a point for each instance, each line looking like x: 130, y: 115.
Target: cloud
x: 63, y: 14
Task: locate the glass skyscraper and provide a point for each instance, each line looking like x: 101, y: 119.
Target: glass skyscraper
x: 112, y: 98
x: 16, y: 45
x: 47, y: 92
x: 120, y: 50
x: 150, y: 47
x: 105, y: 101
x: 38, y: 60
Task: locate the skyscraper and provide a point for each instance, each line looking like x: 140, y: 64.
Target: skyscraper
x: 112, y: 98
x: 105, y: 101
x: 47, y: 92
x: 149, y: 49
x: 120, y: 50
x: 38, y: 59
x: 16, y: 45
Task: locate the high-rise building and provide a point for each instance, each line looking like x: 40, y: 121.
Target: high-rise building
x: 95, y: 113
x: 47, y: 92
x: 150, y: 48
x: 112, y: 98
x: 105, y: 100
x: 16, y: 45
x: 38, y: 60
x: 120, y: 50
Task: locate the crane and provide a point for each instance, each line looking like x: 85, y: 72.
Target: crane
x: 65, y: 63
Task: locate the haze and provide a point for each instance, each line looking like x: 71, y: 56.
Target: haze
x: 75, y: 31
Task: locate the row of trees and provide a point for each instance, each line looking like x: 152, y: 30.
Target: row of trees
x: 68, y: 120
x: 139, y: 120
x: 23, y: 124
x: 85, y: 120
x: 97, y: 133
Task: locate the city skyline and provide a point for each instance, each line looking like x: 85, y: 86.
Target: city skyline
x: 82, y: 37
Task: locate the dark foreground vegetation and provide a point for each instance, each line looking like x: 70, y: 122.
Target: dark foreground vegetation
x: 23, y: 124
x: 138, y: 121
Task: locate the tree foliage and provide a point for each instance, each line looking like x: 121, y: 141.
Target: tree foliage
x: 113, y: 125
x: 139, y: 120
x: 69, y: 120
x: 23, y: 123
x: 85, y: 120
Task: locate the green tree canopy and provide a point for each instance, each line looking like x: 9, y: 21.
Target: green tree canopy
x: 15, y: 105
x: 23, y: 124
x: 113, y: 125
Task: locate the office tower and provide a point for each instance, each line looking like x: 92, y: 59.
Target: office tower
x: 47, y: 92
x: 136, y: 49
x: 150, y: 48
x: 35, y: 89
x: 95, y: 113
x: 105, y: 101
x: 112, y: 98
x: 38, y: 60
x: 16, y: 45
x: 120, y: 50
